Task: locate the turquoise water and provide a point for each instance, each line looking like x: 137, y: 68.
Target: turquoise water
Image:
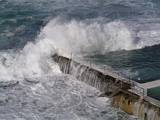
x: 154, y: 92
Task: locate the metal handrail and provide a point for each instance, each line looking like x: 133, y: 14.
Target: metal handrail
x: 134, y: 85
x: 152, y: 100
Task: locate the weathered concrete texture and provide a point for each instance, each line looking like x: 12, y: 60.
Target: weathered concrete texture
x: 149, y: 85
x: 125, y: 102
x: 95, y: 78
x: 135, y: 106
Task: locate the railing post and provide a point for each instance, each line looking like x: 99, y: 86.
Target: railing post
x: 145, y: 92
x: 71, y: 55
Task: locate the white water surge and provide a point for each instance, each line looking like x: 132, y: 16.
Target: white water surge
x: 66, y: 38
x: 80, y: 37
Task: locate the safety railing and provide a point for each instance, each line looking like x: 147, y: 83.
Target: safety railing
x: 153, y: 101
x: 135, y: 88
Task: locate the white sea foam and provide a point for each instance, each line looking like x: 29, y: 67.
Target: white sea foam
x: 66, y: 38
x: 80, y: 37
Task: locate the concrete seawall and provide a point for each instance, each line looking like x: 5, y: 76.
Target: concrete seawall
x: 134, y: 105
x: 117, y: 90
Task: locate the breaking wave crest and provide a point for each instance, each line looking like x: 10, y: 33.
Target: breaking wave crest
x: 66, y: 38
x: 80, y: 37
x: 87, y: 38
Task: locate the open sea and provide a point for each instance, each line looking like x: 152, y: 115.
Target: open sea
x: 121, y: 34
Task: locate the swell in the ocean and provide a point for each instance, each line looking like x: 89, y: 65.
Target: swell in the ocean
x: 70, y: 37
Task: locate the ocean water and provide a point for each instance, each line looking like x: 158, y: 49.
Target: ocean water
x: 122, y: 34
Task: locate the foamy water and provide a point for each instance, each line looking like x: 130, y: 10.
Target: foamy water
x: 70, y: 38
x: 32, y: 31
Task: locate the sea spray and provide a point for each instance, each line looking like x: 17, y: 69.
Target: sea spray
x: 67, y: 38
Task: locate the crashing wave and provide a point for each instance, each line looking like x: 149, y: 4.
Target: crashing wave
x: 71, y: 37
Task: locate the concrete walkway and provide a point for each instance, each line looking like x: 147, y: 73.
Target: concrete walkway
x: 150, y: 85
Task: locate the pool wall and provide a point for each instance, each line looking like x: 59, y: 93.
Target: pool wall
x: 110, y: 86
